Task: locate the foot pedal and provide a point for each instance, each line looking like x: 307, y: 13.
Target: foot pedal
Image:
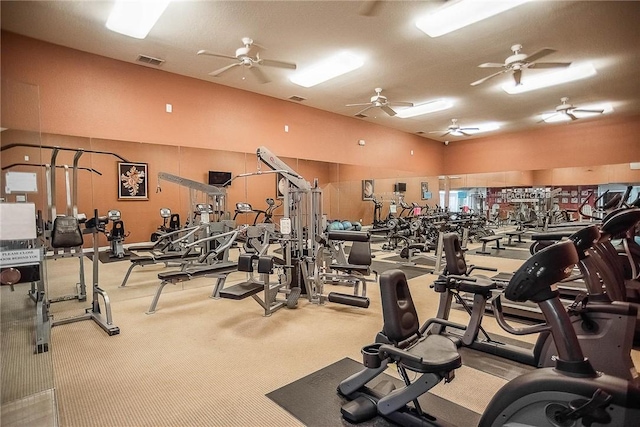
x: 384, y: 387
x: 359, y: 410
x: 292, y: 298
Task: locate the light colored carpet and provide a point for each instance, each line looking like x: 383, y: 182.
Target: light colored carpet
x: 199, y: 361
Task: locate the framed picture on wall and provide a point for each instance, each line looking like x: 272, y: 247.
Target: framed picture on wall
x: 281, y: 186
x: 367, y: 189
x: 424, y: 191
x: 132, y: 181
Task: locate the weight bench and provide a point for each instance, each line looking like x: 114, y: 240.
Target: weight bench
x: 357, y: 266
x: 252, y: 287
x: 218, y: 271
x: 487, y: 239
x: 138, y: 260
x: 512, y: 234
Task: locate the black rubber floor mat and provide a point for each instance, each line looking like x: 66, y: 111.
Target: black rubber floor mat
x: 314, y: 401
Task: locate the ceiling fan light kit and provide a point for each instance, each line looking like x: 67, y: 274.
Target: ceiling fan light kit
x: 379, y: 101
x: 248, y: 57
x: 567, y: 112
x: 455, y: 129
x: 518, y: 62
x: 459, y: 14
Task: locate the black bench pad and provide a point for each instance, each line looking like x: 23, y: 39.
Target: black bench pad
x: 241, y: 290
x: 197, y: 271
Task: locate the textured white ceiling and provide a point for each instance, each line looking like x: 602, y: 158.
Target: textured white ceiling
x: 406, y: 63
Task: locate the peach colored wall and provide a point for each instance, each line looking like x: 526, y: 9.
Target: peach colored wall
x: 621, y: 173
x: 88, y: 95
x: 591, y: 142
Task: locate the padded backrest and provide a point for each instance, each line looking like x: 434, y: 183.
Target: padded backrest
x: 117, y: 231
x: 454, y: 255
x: 174, y: 222
x: 66, y: 233
x: 360, y: 253
x: 398, y: 312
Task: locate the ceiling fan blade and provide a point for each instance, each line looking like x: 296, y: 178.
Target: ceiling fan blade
x: 437, y: 131
x: 278, y: 64
x: 363, y: 110
x: 445, y: 134
x: 539, y: 54
x: 491, y: 65
x: 388, y: 110
x: 571, y: 115
x: 463, y: 133
x: 581, y: 110
x: 369, y: 7
x: 259, y: 74
x: 401, y: 104
x: 218, y: 55
x: 517, y: 76
x: 548, y: 117
x: 358, y: 105
x: 468, y: 129
x: 482, y: 80
x: 216, y: 73
x: 549, y: 65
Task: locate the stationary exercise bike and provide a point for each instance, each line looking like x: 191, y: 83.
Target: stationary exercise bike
x: 116, y: 235
x: 604, y: 330
x: 570, y: 394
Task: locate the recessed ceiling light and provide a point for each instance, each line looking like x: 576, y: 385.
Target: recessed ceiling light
x: 426, y: 108
x: 462, y: 13
x: 556, y: 117
x: 569, y: 74
x: 327, y: 69
x: 135, y: 18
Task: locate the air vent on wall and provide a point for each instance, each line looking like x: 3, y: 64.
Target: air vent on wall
x: 360, y: 116
x: 297, y: 98
x: 150, y: 60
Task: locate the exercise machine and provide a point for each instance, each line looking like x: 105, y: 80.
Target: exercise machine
x: 116, y: 235
x: 572, y: 393
x: 604, y: 330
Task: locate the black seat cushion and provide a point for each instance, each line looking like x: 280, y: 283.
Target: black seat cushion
x: 438, y: 353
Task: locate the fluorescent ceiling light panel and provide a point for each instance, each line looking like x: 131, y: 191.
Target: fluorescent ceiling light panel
x: 456, y: 15
x: 327, y: 69
x: 426, y: 108
x: 553, y: 78
x: 135, y: 18
x: 561, y: 117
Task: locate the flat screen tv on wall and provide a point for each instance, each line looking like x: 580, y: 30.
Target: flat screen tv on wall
x: 219, y: 178
x: 400, y: 187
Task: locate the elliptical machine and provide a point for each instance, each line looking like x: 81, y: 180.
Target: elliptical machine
x: 571, y: 394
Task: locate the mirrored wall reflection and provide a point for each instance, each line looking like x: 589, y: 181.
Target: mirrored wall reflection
x: 27, y: 370
x: 349, y: 191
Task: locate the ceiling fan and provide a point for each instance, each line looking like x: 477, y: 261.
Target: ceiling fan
x: 380, y: 101
x: 455, y: 129
x: 569, y: 110
x: 520, y: 61
x: 248, y: 56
